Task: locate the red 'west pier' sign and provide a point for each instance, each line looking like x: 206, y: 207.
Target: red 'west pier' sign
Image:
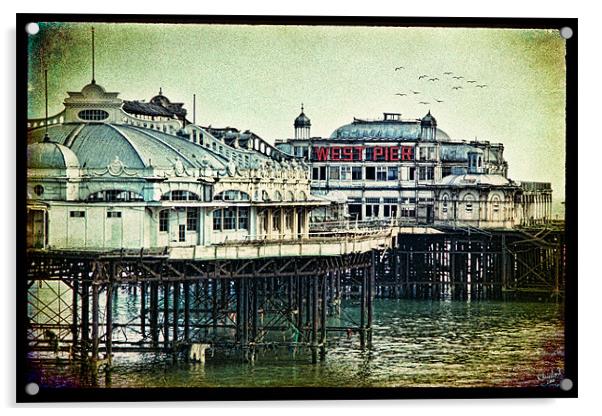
x: 363, y: 153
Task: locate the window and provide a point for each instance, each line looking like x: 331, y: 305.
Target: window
x: 496, y: 203
x: 217, y: 219
x: 468, y: 200
x: 276, y: 221
x: 243, y: 218
x: 381, y: 173
x: 182, y: 233
x: 370, y: 173
x: 192, y: 219
x: 77, y: 214
x: 412, y: 173
x: 230, y: 218
x: 288, y: 219
x: 319, y: 173
x: 164, y: 220
x: 114, y: 214
x: 93, y: 115
x: 115, y: 195
x: 38, y: 190
x: 232, y: 195
x: 180, y: 195
x: 334, y: 173
x: 369, y: 153
x: 392, y: 173
x: 345, y: 173
x: 356, y: 173
x: 445, y: 202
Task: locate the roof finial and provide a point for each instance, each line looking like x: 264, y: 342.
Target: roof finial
x: 93, y: 59
x: 160, y: 90
x: 301, y: 107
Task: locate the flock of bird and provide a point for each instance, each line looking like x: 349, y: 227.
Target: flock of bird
x: 458, y: 82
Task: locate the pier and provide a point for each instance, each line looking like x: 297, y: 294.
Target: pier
x: 246, y: 298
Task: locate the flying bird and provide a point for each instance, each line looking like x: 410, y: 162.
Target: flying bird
x: 456, y: 88
x: 457, y: 77
x: 481, y: 85
x: 423, y: 76
x: 447, y: 73
x: 423, y: 102
x: 416, y: 92
x: 439, y: 101
x: 470, y: 81
x: 433, y: 79
x: 401, y: 94
x: 399, y: 67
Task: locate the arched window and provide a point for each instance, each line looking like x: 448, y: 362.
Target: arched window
x: 265, y: 196
x: 495, y: 203
x: 445, y: 203
x: 468, y: 203
x: 290, y: 196
x: 303, y: 196
x: 115, y: 195
x: 232, y: 195
x: 179, y: 195
x: 277, y: 196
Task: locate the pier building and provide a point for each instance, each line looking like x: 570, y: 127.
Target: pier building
x: 107, y: 173
x: 410, y: 170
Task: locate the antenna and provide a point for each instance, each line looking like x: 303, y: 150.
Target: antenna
x: 93, y: 63
x: 46, y: 138
x: 193, y: 108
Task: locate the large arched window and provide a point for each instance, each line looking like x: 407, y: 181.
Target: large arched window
x: 179, y: 195
x: 232, y: 195
x: 115, y: 195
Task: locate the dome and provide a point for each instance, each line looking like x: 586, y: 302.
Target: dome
x: 401, y: 130
x: 474, y: 180
x: 50, y: 155
x: 93, y: 90
x: 302, y: 120
x: 99, y: 145
x: 428, y: 120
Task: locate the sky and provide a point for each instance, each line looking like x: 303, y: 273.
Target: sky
x: 256, y: 77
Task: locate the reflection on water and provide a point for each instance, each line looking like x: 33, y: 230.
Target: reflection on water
x: 416, y: 343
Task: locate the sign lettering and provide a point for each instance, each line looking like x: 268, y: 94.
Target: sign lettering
x: 359, y: 153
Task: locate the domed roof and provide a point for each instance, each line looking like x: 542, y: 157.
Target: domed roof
x: 93, y: 90
x: 474, y: 180
x: 99, y: 145
x: 402, y: 130
x: 50, y: 155
x: 302, y: 120
x: 428, y: 120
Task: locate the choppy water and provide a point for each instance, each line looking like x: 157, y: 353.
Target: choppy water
x: 415, y: 343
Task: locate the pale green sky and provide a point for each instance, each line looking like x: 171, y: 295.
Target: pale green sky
x: 255, y: 77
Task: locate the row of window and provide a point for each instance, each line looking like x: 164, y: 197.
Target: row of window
x: 370, y: 173
x: 192, y: 220
x: 231, y: 218
x: 82, y: 214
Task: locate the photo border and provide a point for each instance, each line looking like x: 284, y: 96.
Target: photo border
x: 300, y: 393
